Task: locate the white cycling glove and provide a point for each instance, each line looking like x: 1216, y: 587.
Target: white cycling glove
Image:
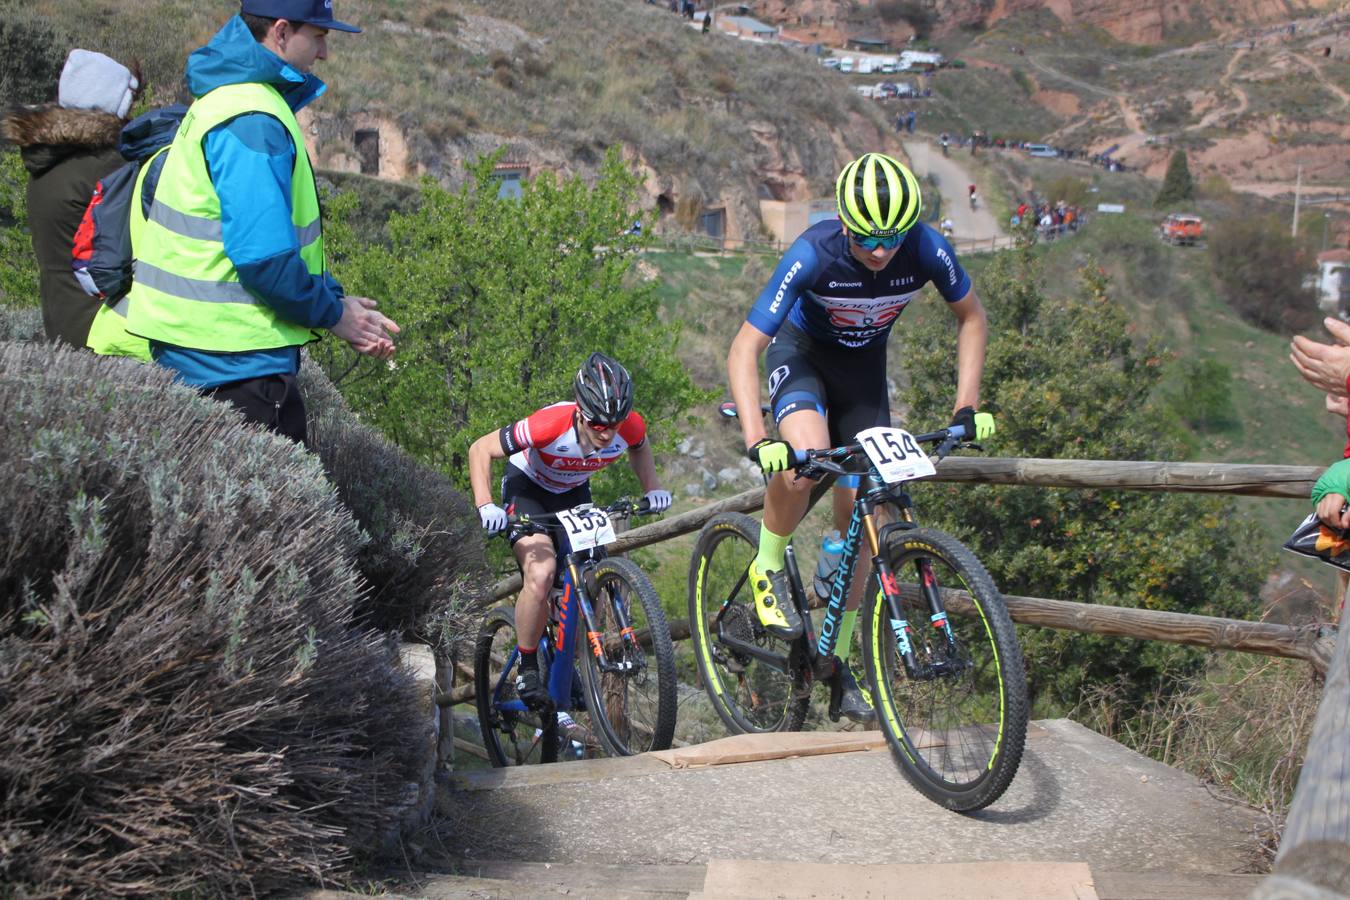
x: 657, y: 501
x: 493, y: 517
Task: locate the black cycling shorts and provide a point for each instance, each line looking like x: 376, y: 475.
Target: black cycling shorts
x: 845, y: 385
x: 521, y: 496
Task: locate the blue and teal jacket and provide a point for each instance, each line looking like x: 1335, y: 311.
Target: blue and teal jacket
x: 250, y: 160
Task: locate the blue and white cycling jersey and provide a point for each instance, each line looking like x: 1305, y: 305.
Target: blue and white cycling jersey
x: 822, y: 289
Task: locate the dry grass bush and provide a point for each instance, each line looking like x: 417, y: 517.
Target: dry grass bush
x: 21, y: 324
x: 1242, y: 725
x: 424, y: 553
x: 184, y: 704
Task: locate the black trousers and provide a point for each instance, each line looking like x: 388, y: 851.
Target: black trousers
x: 272, y: 401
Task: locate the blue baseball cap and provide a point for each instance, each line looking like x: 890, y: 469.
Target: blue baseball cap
x: 314, y: 12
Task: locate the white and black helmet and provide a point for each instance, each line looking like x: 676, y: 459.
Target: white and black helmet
x: 604, y: 390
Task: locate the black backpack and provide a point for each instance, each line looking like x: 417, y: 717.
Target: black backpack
x: 101, y: 257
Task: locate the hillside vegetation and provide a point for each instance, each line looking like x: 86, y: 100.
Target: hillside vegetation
x: 714, y: 121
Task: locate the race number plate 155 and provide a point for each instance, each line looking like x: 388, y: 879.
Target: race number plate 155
x: 587, y: 527
x: 895, y: 454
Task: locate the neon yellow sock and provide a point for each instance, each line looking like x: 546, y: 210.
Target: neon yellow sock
x: 841, y: 649
x: 772, y: 550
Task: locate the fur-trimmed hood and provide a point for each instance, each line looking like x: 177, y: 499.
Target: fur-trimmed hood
x: 47, y: 134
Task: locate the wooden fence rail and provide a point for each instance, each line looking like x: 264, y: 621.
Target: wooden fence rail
x: 1218, y: 478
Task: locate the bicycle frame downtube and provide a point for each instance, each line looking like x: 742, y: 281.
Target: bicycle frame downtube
x: 569, y: 621
x: 862, y: 519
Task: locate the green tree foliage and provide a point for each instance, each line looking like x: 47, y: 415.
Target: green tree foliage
x: 18, y: 265
x: 1177, y: 185
x: 1064, y: 380
x: 1205, y: 399
x: 1261, y: 270
x: 500, y: 300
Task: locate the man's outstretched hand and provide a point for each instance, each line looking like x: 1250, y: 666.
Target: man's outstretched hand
x: 365, y: 328
x: 1325, y: 366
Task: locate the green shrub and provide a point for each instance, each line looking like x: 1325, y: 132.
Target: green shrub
x: 18, y: 264
x: 1261, y: 271
x: 1205, y: 400
x: 184, y: 704
x: 424, y: 555
x: 32, y: 51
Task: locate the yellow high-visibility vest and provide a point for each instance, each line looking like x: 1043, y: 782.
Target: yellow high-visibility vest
x: 186, y: 291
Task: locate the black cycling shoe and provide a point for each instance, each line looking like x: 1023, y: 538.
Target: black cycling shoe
x: 532, y: 690
x: 854, y: 702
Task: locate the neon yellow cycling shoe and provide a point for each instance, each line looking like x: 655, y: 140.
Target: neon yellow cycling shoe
x: 773, y: 603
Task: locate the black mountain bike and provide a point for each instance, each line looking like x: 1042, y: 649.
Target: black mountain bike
x: 628, y: 666
x: 942, y: 658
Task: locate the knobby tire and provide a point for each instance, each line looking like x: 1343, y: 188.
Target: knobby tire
x: 957, y: 738
x: 747, y: 694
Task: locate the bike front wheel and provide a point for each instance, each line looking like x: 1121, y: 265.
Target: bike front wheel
x: 957, y: 722
x: 749, y: 693
x: 512, y: 735
x: 632, y: 702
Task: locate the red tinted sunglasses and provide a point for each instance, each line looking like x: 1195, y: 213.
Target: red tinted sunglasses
x: 599, y: 426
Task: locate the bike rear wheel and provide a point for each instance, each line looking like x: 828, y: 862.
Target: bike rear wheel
x: 511, y: 737
x: 632, y: 706
x: 957, y: 726
x: 749, y: 694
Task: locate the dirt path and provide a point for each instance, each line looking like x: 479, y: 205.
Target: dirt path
x: 1226, y: 82
x: 952, y: 179
x: 1322, y: 79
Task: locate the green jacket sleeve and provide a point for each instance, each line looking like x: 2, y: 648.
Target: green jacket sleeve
x: 1335, y: 480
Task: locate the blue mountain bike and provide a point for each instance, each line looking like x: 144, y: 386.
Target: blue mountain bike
x: 624, y: 700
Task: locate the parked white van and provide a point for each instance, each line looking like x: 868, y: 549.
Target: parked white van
x: 864, y: 65
x: 888, y: 64
x: 846, y: 64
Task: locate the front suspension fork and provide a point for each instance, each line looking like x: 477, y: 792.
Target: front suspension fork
x: 595, y: 637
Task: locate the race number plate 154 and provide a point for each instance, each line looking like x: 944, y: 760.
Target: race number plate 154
x: 587, y: 527
x: 895, y: 454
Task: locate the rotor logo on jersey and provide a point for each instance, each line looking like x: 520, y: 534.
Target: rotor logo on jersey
x: 783, y: 286
x: 951, y: 266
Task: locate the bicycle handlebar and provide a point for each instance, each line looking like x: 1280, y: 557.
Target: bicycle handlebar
x: 948, y: 439
x: 543, y: 522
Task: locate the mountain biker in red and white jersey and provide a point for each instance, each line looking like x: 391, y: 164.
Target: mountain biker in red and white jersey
x: 551, y: 456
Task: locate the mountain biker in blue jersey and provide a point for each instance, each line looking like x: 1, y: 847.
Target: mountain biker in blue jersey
x: 824, y: 319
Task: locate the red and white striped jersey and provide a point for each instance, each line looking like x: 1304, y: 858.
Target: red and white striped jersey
x: 545, y: 447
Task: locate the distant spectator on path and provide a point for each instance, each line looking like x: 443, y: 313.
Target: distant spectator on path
x: 909, y: 120
x: 231, y: 275
x: 707, y: 21
x: 66, y: 148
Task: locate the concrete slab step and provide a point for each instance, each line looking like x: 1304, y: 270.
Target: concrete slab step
x: 737, y: 879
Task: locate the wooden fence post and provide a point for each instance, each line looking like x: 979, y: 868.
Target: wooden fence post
x: 1314, y: 858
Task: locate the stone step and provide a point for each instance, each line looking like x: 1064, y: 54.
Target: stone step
x: 747, y: 879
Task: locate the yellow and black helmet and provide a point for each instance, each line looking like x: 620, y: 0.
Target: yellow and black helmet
x: 877, y: 196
